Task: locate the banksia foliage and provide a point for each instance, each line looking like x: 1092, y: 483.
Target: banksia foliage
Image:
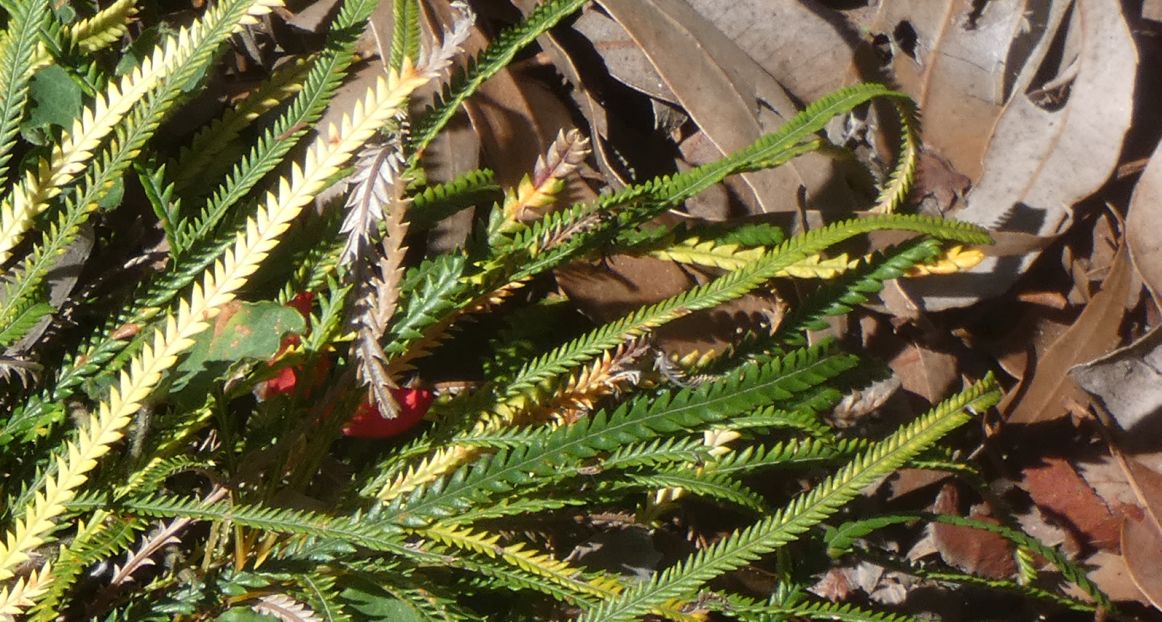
x: 179, y: 452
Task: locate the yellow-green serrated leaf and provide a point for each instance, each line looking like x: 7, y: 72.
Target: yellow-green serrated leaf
x: 709, y: 253
x: 816, y: 267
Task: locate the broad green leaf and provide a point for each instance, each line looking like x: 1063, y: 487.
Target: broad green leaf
x: 55, y: 100
x: 243, y: 332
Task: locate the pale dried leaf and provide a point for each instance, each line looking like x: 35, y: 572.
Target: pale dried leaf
x: 958, y: 66
x: 1142, y: 539
x: 1128, y: 381
x: 434, y: 58
x: 1045, y: 156
x: 1142, y: 225
x: 314, y: 16
x: 1152, y: 10
x: 802, y: 44
x: 625, y: 60
x: 373, y: 184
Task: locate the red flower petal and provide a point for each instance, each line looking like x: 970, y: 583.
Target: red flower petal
x: 303, y: 301
x: 368, y: 423
x: 282, y: 384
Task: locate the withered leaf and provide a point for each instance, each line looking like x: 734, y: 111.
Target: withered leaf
x: 1142, y: 225
x: 1052, y: 146
x: 1043, y: 395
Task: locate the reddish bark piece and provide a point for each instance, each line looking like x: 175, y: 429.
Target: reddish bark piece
x: 1058, y: 490
x: 368, y: 423
x: 971, y: 550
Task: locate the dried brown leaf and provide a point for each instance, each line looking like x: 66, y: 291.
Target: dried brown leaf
x: 1142, y: 539
x: 590, y: 105
x: 1142, y: 225
x: 1061, y: 493
x: 804, y: 45
x: 971, y: 550
x: 624, y: 58
x: 1142, y: 548
x: 958, y: 65
x: 730, y: 96
x: 1043, y: 394
x: 1147, y: 485
x: 924, y: 371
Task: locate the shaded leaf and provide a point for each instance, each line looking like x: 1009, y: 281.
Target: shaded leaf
x: 971, y: 550
x: 1142, y: 548
x: 55, y: 100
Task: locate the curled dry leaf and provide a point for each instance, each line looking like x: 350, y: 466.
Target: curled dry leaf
x: 1142, y: 548
x: 625, y: 60
x: 1142, y: 537
x: 729, y: 96
x: 1051, y: 147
